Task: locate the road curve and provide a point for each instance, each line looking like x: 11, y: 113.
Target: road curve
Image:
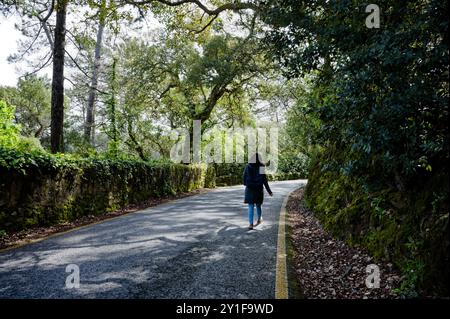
x: 195, y: 247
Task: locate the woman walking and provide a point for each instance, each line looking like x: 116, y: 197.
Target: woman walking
x: 254, y: 179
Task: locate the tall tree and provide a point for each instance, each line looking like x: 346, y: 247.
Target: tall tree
x: 57, y: 110
x: 89, y: 126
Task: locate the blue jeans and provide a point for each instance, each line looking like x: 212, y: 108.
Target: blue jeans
x: 251, y: 208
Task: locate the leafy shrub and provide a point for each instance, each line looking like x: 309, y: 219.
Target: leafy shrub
x: 10, y: 132
x: 8, y: 129
x: 294, y: 163
x: 37, y: 188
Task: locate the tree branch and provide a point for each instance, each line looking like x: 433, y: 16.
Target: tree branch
x: 167, y: 89
x: 76, y: 64
x: 213, y: 12
x: 206, y: 25
x: 48, y: 34
x: 41, y: 67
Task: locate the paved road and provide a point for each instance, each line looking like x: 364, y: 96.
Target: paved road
x: 195, y: 247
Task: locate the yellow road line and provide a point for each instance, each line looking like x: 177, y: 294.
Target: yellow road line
x: 281, y: 282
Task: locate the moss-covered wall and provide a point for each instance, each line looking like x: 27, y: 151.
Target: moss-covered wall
x: 38, y: 189
x: 409, y: 228
x: 41, y: 190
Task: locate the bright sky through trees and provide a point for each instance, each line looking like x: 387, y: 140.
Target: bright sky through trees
x: 9, y: 36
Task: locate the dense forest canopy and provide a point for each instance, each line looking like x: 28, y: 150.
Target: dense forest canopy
x: 192, y: 66
x: 362, y: 111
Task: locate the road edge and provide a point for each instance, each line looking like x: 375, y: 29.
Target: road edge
x: 294, y: 289
x: 281, y: 277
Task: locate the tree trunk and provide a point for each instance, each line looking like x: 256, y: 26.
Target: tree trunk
x: 111, y: 103
x: 57, y: 110
x: 38, y: 133
x: 89, y: 127
x: 138, y: 148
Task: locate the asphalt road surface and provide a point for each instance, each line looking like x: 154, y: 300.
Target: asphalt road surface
x: 195, y: 247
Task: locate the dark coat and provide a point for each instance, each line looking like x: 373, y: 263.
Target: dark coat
x: 254, y: 181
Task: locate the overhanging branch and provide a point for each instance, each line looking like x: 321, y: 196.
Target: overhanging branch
x: 213, y: 12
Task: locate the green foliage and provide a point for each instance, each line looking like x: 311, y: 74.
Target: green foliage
x: 31, y: 100
x: 169, y: 83
x: 382, y: 94
x: 229, y: 173
x: 378, y: 102
x: 294, y: 163
x: 9, y: 131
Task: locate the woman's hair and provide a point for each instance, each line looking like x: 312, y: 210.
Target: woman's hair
x: 258, y: 160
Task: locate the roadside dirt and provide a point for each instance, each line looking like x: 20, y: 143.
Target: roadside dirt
x: 328, y: 268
